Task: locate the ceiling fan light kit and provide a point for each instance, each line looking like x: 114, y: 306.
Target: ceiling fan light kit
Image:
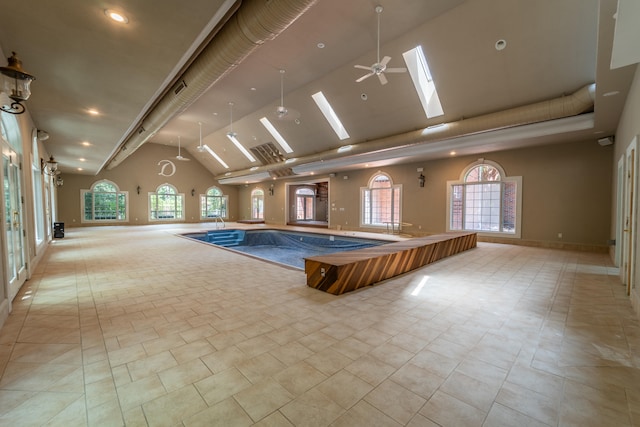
x: 380, y: 66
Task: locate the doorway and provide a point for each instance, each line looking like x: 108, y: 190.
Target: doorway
x: 627, y: 270
x: 308, y: 204
x: 13, y: 225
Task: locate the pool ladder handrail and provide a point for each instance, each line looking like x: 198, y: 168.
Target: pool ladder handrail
x: 219, y: 218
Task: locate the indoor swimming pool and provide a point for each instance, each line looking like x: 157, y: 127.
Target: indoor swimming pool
x: 284, y: 247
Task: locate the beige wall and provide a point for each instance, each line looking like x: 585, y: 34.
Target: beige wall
x: 566, y: 189
x: 628, y: 128
x: 141, y: 169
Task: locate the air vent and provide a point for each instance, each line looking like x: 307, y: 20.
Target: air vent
x: 181, y: 85
x: 281, y: 173
x: 268, y: 154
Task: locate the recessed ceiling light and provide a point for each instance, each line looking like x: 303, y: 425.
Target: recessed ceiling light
x: 86, y: 143
x: 80, y: 169
x: 253, y: 89
x: 255, y: 168
x: 452, y: 153
x: 82, y: 159
x: 93, y: 111
x: 345, y: 148
x: 320, y: 45
x: 116, y: 16
x: 501, y: 44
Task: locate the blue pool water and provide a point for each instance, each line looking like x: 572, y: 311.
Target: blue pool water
x: 285, y: 247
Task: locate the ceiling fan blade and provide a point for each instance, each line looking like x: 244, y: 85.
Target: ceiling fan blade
x: 362, y: 67
x: 383, y: 79
x: 366, y: 76
x: 385, y: 60
x: 395, y: 70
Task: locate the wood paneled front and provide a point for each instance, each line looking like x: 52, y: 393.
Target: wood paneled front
x: 347, y: 271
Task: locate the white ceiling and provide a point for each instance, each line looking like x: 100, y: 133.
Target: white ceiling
x: 82, y: 60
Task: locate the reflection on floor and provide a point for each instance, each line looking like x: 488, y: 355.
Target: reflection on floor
x: 314, y: 224
x: 135, y: 326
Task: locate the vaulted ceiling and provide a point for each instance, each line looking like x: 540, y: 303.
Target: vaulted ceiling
x: 175, y: 67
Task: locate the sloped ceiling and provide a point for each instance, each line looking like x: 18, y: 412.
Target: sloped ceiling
x: 82, y: 60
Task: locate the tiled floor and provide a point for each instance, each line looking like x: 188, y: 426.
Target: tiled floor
x: 135, y: 326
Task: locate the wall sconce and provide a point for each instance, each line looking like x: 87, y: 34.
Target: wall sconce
x: 193, y: 192
x: 271, y: 190
x: 50, y: 167
x: 138, y: 189
x: 421, y: 180
x: 15, y: 83
x: 59, y: 181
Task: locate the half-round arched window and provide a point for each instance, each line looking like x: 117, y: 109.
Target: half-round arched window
x: 380, y: 202
x: 166, y: 204
x: 485, y: 200
x: 104, y: 202
x: 213, y: 204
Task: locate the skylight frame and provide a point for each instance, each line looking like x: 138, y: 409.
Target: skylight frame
x: 215, y: 156
x: 276, y: 135
x: 331, y: 116
x: 423, y: 82
x: 239, y: 146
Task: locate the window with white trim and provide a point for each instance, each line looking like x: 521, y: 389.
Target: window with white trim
x: 485, y: 200
x: 213, y: 204
x: 380, y: 202
x: 104, y: 202
x: 257, y: 204
x: 166, y: 204
x: 305, y: 199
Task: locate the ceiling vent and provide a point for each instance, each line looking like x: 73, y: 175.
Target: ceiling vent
x: 268, y: 154
x: 281, y: 173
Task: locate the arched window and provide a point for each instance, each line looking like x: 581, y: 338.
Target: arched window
x: 305, y: 198
x: 213, y: 204
x: 380, y: 202
x: 257, y: 204
x: 485, y: 200
x: 166, y: 204
x: 104, y: 202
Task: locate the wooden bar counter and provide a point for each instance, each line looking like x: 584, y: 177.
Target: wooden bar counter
x: 347, y: 271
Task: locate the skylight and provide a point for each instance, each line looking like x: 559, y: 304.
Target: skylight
x: 215, y: 156
x: 425, y: 87
x: 247, y: 154
x: 330, y: 115
x: 276, y: 135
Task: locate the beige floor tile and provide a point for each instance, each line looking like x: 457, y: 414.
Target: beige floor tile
x: 533, y: 404
x: 179, y: 376
x: 446, y: 410
x: 172, y: 408
x: 263, y: 398
x: 395, y: 401
x: 516, y: 335
x: 344, y: 388
x: 298, y: 378
x: 363, y: 414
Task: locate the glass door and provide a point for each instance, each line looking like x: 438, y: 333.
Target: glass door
x: 16, y: 272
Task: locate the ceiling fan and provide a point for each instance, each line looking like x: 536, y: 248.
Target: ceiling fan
x: 282, y: 112
x: 179, y: 156
x: 200, y: 147
x: 380, y: 66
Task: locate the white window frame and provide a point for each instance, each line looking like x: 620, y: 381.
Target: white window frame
x: 179, y: 215
x: 257, y: 196
x: 204, y: 214
x: 503, y: 179
x: 367, y: 192
x: 118, y: 192
x: 306, y: 193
